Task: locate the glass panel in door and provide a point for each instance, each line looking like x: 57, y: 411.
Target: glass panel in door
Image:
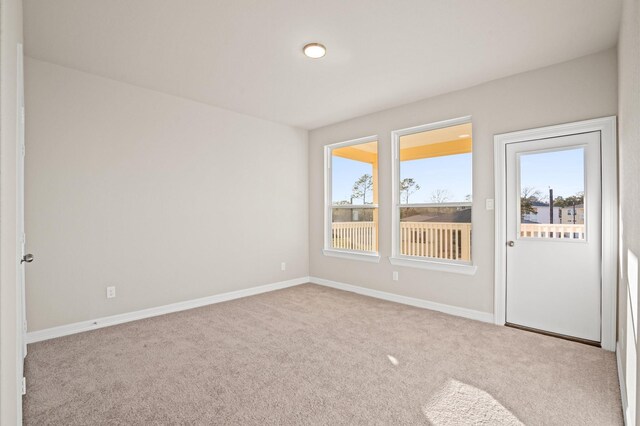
x: 552, y: 194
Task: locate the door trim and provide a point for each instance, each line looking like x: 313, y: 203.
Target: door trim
x: 21, y: 345
x: 608, y: 156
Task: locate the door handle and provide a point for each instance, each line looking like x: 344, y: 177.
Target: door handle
x: 27, y: 258
x: 511, y: 243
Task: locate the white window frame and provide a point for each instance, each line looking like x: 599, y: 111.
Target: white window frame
x: 328, y: 205
x: 445, y: 265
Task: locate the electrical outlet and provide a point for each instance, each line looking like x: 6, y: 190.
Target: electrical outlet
x: 283, y: 266
x: 111, y: 292
x: 395, y: 275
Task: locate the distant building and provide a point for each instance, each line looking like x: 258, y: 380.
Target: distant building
x: 572, y: 214
x: 542, y: 214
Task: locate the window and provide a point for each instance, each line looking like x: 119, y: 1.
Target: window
x: 433, y: 196
x: 351, y: 197
x: 552, y: 183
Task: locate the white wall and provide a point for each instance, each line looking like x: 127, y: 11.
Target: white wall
x: 10, y: 35
x: 580, y: 89
x: 165, y: 198
x: 629, y: 164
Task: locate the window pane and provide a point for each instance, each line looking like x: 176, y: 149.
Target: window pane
x: 436, y: 232
x: 354, y: 182
x: 435, y: 166
x: 354, y: 229
x: 353, y: 169
x: 552, y: 194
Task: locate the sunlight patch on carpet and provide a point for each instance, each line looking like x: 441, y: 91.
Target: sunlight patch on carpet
x: 460, y: 404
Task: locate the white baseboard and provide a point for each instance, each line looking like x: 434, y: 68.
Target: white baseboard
x: 623, y: 388
x: 78, y: 327
x: 420, y: 303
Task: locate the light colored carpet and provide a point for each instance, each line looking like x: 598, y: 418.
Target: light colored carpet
x: 315, y: 355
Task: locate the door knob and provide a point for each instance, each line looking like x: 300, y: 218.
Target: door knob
x: 511, y: 243
x: 27, y: 258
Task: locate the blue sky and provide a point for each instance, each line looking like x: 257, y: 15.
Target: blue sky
x: 344, y: 173
x: 451, y: 173
x: 562, y: 170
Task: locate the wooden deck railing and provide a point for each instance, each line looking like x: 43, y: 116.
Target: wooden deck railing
x: 425, y: 239
x: 555, y: 230
x: 354, y: 236
x: 442, y: 240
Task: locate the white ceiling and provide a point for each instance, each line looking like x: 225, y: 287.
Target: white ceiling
x: 245, y: 55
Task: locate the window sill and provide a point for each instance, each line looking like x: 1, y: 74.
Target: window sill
x: 455, y: 268
x: 366, y: 257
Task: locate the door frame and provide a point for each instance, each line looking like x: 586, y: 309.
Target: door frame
x: 21, y: 344
x: 20, y: 181
x: 608, y: 157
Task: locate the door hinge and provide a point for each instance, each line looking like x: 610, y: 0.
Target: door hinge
x: 22, y: 115
x: 24, y: 385
x: 24, y: 149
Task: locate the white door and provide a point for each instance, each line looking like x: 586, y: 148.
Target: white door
x: 554, y: 250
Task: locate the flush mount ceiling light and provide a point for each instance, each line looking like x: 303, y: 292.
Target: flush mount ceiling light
x: 464, y: 135
x: 314, y: 50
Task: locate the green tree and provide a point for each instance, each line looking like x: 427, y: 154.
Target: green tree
x: 362, y: 187
x: 408, y: 186
x: 573, y: 200
x: 528, y: 197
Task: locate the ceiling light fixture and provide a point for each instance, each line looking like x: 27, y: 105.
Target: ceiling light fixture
x: 314, y: 50
x: 464, y: 136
